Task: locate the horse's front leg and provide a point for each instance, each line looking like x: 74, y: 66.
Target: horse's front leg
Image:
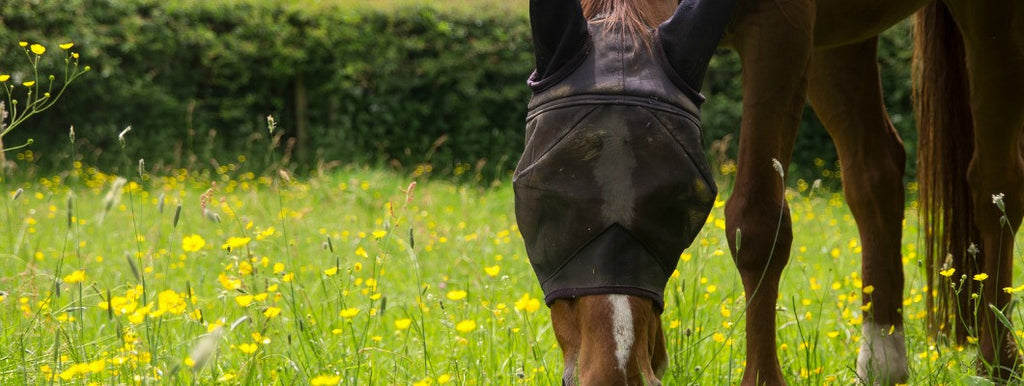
x: 774, y: 40
x: 609, y: 339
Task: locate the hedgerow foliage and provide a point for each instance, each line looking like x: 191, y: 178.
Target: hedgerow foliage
x: 402, y: 86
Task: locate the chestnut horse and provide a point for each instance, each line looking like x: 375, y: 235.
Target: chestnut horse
x: 970, y: 70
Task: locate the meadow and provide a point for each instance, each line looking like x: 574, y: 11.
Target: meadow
x: 367, y: 276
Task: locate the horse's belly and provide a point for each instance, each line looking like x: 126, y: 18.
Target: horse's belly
x: 840, y: 22
x: 837, y: 22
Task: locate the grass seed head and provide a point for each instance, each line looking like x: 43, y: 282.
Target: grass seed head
x: 205, y: 349
x: 120, y: 137
x: 211, y: 215
x: 778, y: 168
x: 131, y: 264
x: 177, y: 216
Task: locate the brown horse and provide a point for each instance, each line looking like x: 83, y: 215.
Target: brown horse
x: 825, y: 51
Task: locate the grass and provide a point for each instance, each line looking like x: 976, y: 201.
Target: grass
x: 519, y: 8
x: 358, y: 277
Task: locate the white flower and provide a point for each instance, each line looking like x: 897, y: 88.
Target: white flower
x: 998, y: 200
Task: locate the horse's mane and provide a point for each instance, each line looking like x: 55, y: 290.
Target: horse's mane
x: 635, y: 17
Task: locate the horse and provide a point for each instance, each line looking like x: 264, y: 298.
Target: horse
x: 969, y: 70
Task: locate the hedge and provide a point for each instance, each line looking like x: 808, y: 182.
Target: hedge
x: 407, y: 87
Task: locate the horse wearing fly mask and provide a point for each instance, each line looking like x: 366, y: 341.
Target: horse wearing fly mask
x: 597, y: 204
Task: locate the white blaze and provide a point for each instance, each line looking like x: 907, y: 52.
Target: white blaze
x: 622, y: 328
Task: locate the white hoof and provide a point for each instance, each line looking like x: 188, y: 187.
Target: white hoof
x: 883, y: 356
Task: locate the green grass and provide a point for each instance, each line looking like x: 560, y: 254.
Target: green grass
x: 518, y: 8
x: 352, y: 277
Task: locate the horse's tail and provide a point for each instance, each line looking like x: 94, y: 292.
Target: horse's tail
x: 945, y: 127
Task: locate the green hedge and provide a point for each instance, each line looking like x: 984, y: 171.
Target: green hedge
x: 405, y: 87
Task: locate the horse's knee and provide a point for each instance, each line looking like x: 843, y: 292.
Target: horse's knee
x: 759, y: 237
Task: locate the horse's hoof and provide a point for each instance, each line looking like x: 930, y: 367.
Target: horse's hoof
x: 883, y: 356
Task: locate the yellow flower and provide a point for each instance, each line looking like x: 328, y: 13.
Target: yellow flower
x: 248, y: 348
x: 492, y: 271
x: 718, y: 337
x: 272, y: 312
x: 379, y: 234
x: 357, y: 267
x: 981, y: 276
x: 948, y: 272
x: 868, y: 289
x: 278, y: 268
x: 527, y: 303
x: 66, y: 46
x: 456, y: 295
x: 361, y: 252
x: 37, y: 49
x: 325, y: 380
x: 348, y: 313
x: 4, y: 77
x: 266, y: 233
x: 192, y: 243
x: 243, y: 300
x: 29, y: 83
x: 139, y: 315
x: 866, y: 307
x: 75, y: 277
x: 465, y: 326
x: 235, y: 242
x: 229, y: 283
x: 171, y: 301
x: 331, y: 271
x: 402, y: 324
x: 244, y: 268
x: 22, y: 44
x: 1013, y: 290
x: 444, y: 378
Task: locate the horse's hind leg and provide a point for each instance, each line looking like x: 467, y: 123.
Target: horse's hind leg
x: 994, y: 42
x: 846, y: 93
x: 774, y: 43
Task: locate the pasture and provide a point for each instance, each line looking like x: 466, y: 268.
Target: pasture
x: 357, y: 276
